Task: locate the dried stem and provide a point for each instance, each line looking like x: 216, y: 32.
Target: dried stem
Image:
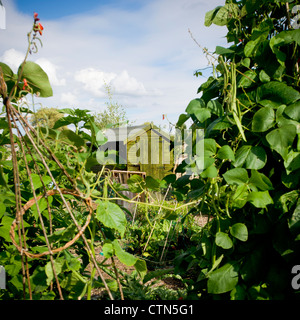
x: 288, y: 16
x: 38, y: 208
x: 14, y: 112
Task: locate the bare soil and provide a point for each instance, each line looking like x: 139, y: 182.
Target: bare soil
x: 201, y: 220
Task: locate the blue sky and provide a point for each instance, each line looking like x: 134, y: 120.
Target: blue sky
x: 56, y: 9
x: 142, y: 49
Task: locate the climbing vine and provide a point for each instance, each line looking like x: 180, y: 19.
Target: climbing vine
x: 249, y: 109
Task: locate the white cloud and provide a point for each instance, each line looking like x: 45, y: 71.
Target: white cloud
x: 94, y: 81
x: 145, y: 54
x: 13, y: 58
x: 51, y: 71
x: 124, y: 84
x: 69, y: 98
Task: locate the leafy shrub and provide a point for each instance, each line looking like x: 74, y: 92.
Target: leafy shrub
x: 249, y: 110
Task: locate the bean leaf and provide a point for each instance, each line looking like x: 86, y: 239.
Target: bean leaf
x: 236, y: 176
x: 263, y: 119
x: 281, y: 139
x: 239, y: 231
x: 260, y: 199
x: 223, y: 279
x: 36, y: 78
x: 111, y: 216
x: 223, y: 240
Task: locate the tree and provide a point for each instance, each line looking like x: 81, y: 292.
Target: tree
x: 114, y: 115
x: 46, y: 117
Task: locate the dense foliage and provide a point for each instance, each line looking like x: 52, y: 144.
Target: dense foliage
x: 249, y: 110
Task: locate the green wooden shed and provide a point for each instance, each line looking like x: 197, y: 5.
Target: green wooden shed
x: 143, y: 148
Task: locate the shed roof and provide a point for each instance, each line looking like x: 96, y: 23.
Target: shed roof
x: 126, y: 134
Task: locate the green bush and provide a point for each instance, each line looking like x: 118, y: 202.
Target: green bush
x: 249, y: 110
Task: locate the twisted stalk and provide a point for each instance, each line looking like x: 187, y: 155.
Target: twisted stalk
x: 28, y: 51
x: 21, y: 119
x: 45, y: 194
x: 19, y: 218
x: 39, y: 211
x: 12, y: 113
